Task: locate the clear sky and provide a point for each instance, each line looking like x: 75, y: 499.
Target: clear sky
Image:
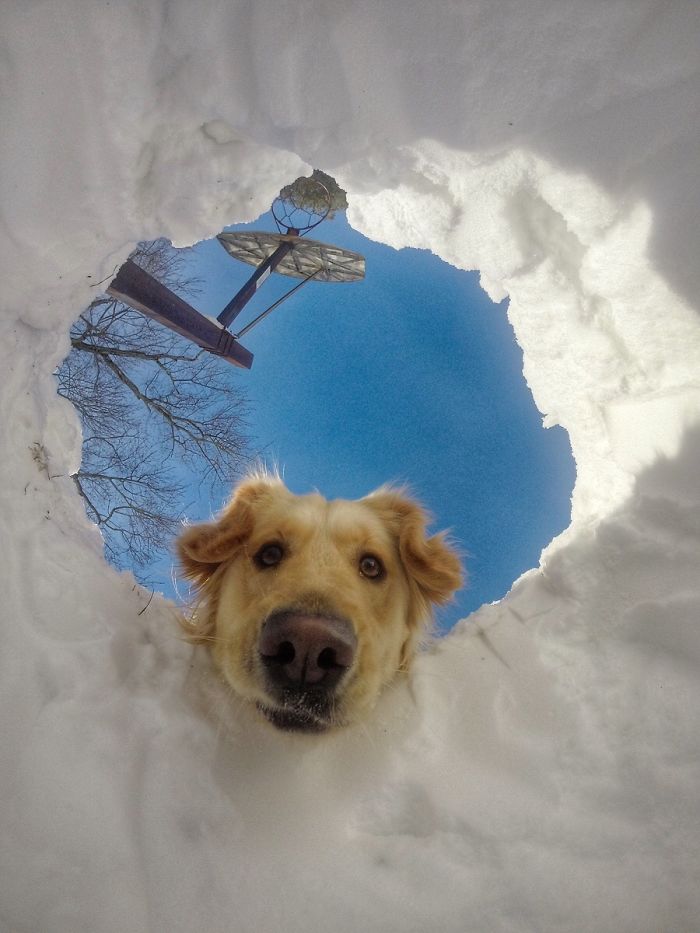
x: 412, y: 376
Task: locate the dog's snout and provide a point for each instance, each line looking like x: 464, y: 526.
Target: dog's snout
x: 306, y: 651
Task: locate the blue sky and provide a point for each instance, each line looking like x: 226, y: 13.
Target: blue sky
x: 412, y: 376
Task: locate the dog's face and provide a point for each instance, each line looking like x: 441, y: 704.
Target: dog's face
x: 310, y: 607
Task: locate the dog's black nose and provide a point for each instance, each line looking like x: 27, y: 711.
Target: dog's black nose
x: 303, y: 652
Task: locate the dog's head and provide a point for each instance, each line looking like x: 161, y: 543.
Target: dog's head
x: 310, y: 607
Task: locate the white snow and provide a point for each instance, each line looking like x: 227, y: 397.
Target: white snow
x: 544, y: 772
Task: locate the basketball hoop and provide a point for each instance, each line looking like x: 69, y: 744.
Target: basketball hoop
x: 285, y: 252
x: 297, y: 218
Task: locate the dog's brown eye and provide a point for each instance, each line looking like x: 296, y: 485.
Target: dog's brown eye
x: 371, y: 566
x: 269, y: 555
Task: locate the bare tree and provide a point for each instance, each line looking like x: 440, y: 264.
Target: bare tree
x: 155, y: 410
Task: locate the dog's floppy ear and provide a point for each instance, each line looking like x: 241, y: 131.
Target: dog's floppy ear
x: 431, y: 563
x: 203, y: 548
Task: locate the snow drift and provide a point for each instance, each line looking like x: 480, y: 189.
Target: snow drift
x: 543, y: 772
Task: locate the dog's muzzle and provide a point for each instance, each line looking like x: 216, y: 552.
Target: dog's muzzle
x: 304, y: 657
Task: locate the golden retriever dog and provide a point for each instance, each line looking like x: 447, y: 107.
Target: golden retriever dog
x: 310, y: 607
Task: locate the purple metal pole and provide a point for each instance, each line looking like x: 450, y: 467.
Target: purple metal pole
x: 265, y: 269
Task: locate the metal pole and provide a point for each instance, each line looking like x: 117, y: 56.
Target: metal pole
x: 279, y: 301
x: 239, y: 300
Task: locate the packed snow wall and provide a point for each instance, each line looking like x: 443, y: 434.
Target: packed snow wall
x: 543, y: 773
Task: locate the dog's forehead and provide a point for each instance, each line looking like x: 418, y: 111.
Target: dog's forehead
x: 312, y: 513
x: 348, y: 518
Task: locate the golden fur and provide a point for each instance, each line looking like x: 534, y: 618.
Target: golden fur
x: 324, y: 543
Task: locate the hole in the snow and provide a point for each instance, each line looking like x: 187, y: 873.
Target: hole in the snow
x: 412, y: 375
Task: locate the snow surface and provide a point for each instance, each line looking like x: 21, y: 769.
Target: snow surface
x: 543, y: 774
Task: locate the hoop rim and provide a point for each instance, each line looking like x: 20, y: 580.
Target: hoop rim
x: 280, y: 223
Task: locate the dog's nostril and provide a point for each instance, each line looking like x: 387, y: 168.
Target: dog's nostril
x: 327, y: 659
x: 285, y: 653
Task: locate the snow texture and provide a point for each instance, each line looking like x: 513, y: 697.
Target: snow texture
x: 543, y: 773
